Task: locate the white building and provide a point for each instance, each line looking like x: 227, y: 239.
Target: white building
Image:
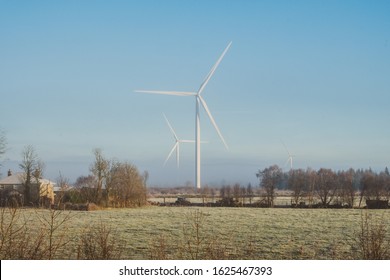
x: 12, y: 190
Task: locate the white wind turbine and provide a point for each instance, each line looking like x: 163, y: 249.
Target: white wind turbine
x: 290, y: 157
x: 176, y: 146
x: 198, y: 101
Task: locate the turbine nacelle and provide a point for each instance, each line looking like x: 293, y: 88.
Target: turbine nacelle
x: 176, y: 146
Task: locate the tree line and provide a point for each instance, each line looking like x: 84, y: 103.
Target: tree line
x: 307, y: 188
x: 325, y: 187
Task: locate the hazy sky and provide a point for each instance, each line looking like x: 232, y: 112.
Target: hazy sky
x: 312, y: 74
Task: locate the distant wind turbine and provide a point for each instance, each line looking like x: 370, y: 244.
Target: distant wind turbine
x: 199, y: 101
x: 290, y: 157
x: 176, y: 146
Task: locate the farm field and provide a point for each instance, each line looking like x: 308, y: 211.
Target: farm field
x: 234, y: 233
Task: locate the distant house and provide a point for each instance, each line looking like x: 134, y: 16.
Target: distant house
x: 12, y: 190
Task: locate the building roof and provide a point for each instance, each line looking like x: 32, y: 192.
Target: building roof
x: 14, y: 179
x: 18, y: 179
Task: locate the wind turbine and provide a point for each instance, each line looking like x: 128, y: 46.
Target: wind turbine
x: 198, y: 102
x: 290, y: 157
x: 176, y: 146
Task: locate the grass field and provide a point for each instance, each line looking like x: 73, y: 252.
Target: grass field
x: 233, y: 233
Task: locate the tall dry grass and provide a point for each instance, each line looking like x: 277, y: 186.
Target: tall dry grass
x: 196, y: 242
x: 44, y: 235
x: 371, y: 241
x: 54, y: 234
x: 99, y: 243
x: 18, y: 240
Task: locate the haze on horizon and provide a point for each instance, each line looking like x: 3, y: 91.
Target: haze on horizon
x: 312, y: 75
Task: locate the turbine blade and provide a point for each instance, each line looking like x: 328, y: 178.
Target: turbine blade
x: 171, y: 128
x: 178, y: 155
x: 186, y: 141
x: 178, y: 93
x: 206, y: 80
x: 170, y: 153
x: 191, y: 141
x: 286, y: 149
x: 212, y: 120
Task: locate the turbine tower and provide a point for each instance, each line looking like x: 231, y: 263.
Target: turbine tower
x: 176, y: 146
x: 199, y: 101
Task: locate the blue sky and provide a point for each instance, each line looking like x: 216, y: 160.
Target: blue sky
x: 311, y: 74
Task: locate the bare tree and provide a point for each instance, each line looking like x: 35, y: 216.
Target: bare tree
x: 32, y: 167
x: 347, y: 190
x: 370, y: 188
x: 375, y: 186
x: 63, y: 184
x: 386, y: 174
x: 326, y: 186
x: 250, y: 192
x: 311, y: 180
x: 222, y: 192
x: 100, y: 169
x: 212, y: 193
x: 225, y: 191
x: 297, y: 183
x: 236, y: 192
x: 3, y: 143
x: 269, y: 180
x: 205, y: 193
x: 384, y: 178
x: 243, y: 194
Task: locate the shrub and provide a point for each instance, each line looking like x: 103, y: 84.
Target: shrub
x: 18, y: 240
x: 98, y: 243
x: 371, y: 241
